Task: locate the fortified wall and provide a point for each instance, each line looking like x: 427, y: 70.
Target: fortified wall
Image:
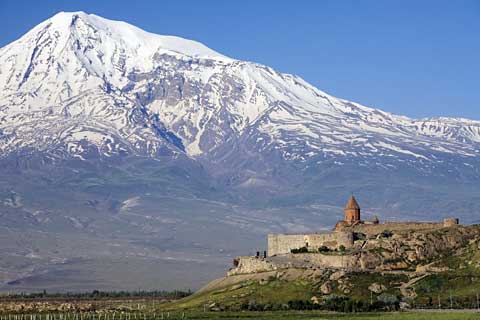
x: 284, y: 243
x: 370, y: 229
x: 344, y: 232
x: 246, y: 265
x: 402, y: 251
x: 368, y: 246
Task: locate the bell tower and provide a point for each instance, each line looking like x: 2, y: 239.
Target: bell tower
x: 352, y: 211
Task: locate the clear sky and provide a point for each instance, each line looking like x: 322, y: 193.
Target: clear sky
x: 411, y: 57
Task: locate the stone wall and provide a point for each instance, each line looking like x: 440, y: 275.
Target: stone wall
x: 403, y: 251
x: 249, y: 264
x: 330, y: 240
x: 450, y: 222
x: 372, y: 229
x: 284, y: 243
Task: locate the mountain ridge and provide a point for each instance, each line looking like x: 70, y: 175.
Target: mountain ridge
x: 157, y: 154
x: 304, y: 101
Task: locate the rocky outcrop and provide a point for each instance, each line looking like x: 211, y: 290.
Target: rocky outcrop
x: 326, y: 288
x: 402, y: 250
x: 377, y: 288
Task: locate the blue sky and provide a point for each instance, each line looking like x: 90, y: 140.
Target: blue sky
x: 417, y: 58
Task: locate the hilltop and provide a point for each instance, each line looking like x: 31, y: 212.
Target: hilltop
x: 443, y: 270
x: 360, y: 265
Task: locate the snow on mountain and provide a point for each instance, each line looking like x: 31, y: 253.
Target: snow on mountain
x: 88, y: 85
x: 149, y: 146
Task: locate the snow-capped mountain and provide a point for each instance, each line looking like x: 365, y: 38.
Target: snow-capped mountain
x: 164, y: 148
x: 78, y: 81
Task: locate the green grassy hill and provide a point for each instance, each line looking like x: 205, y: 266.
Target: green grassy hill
x: 455, y: 283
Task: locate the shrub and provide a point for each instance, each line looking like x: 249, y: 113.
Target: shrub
x: 389, y: 301
x: 323, y: 249
x: 254, y: 306
x: 300, y: 250
x: 359, y: 236
x: 331, y: 302
x: 386, y: 234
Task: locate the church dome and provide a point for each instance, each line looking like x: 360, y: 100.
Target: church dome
x: 352, y: 203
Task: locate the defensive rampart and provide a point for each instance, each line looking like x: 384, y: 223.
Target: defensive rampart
x: 284, y: 243
x: 372, y: 229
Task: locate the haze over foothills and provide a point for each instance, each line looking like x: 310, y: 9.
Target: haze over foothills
x: 144, y: 159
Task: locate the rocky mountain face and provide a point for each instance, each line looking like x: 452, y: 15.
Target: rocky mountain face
x: 105, y: 127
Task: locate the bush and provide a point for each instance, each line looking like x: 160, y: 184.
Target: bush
x: 333, y: 302
x: 323, y: 249
x: 254, y: 306
x: 386, y: 234
x: 359, y: 236
x: 389, y: 301
x: 300, y: 250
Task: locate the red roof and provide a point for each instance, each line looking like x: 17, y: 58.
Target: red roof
x: 352, y: 203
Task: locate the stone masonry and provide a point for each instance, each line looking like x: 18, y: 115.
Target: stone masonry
x: 284, y: 243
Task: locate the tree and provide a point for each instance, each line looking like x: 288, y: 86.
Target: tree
x: 323, y: 249
x: 300, y: 250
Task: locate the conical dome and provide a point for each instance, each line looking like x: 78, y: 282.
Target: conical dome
x: 352, y: 203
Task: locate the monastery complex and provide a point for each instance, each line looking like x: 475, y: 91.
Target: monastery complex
x: 344, y: 231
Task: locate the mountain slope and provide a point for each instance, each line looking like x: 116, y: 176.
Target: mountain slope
x: 85, y: 67
x: 105, y: 127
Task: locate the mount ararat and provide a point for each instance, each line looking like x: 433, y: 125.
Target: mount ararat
x: 125, y: 152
